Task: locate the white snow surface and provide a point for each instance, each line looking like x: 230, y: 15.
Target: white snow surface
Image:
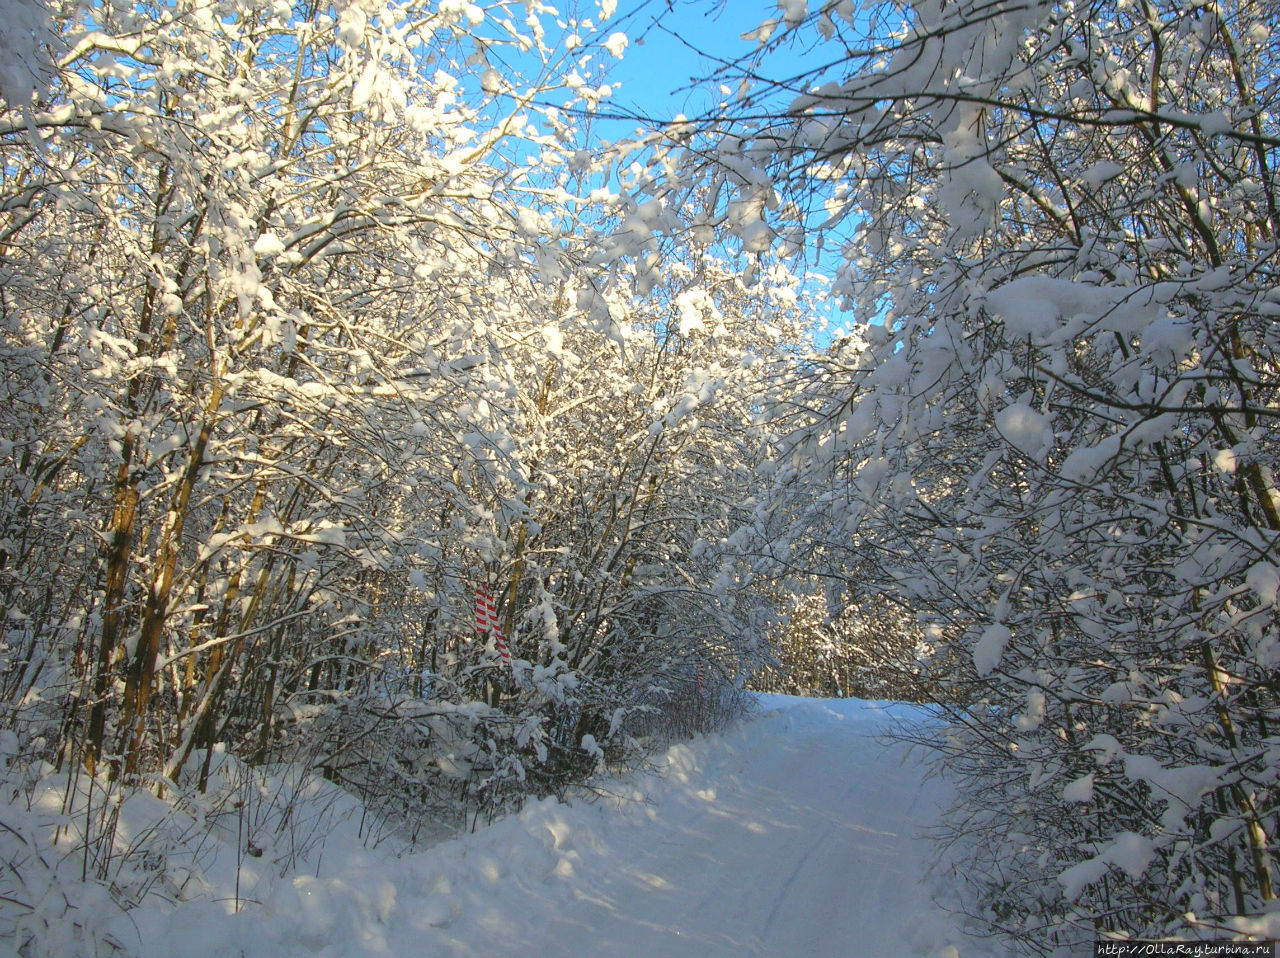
x: 798, y: 832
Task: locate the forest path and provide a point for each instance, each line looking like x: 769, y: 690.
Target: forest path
x: 796, y: 833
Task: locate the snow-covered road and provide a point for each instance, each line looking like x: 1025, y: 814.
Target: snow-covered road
x: 797, y: 833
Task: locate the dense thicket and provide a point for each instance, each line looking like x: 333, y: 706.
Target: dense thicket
x: 1060, y: 222
x: 302, y: 339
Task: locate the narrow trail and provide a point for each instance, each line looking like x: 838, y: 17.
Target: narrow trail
x: 798, y: 833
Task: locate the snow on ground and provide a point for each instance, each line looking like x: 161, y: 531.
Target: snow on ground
x: 795, y: 833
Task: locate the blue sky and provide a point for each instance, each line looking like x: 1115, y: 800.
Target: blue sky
x: 664, y: 57
x: 673, y: 47
x: 674, y: 44
x: 688, y: 42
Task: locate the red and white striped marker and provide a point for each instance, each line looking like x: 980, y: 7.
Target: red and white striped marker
x: 487, y: 621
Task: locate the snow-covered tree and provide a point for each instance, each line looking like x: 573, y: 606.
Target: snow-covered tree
x: 307, y: 331
x: 254, y: 258
x: 1059, y: 223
